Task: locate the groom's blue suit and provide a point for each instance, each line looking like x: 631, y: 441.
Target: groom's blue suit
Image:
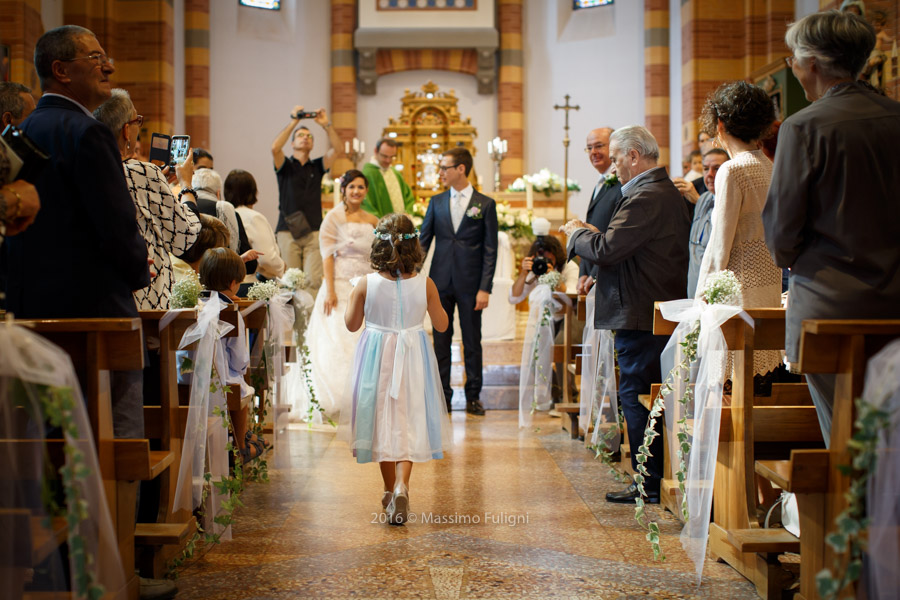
x: 463, y: 263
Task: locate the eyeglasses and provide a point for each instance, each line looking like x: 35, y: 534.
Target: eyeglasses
x: 303, y: 135
x: 138, y: 119
x: 591, y: 147
x: 789, y: 60
x: 386, y: 157
x: 98, y: 58
x: 445, y: 167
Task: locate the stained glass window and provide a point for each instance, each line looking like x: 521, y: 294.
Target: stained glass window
x: 591, y: 3
x: 267, y: 4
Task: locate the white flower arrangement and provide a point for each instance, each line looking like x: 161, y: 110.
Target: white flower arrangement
x: 551, y: 278
x: 263, y: 290
x: 723, y: 287
x: 543, y: 181
x: 294, y: 279
x: 327, y: 184
x: 516, y: 222
x: 418, y: 213
x: 186, y: 292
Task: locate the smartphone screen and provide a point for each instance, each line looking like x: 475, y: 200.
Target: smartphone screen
x: 180, y: 146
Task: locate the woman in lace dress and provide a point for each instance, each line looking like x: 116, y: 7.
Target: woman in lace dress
x: 345, y: 241
x: 739, y: 115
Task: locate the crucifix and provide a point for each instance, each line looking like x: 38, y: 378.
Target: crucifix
x: 566, y: 107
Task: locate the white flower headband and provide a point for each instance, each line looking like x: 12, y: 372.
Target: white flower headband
x: 387, y: 237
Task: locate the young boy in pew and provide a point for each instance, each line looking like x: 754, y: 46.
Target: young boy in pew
x: 221, y: 272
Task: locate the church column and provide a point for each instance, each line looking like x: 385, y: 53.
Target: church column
x: 144, y: 49
x: 196, y: 72
x: 96, y: 15
x: 656, y: 73
x: 343, y: 71
x: 20, y: 29
x: 510, y: 115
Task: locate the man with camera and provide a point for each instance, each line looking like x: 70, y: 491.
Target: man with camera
x: 607, y: 194
x: 463, y: 225
x: 300, y: 192
x: 643, y: 257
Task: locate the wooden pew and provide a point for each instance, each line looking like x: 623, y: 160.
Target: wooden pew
x: 159, y: 542
x: 842, y: 347
x: 750, y: 426
x: 98, y: 346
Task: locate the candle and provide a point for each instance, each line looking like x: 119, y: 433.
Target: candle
x: 362, y: 147
x: 504, y: 146
x: 490, y: 147
x: 480, y: 181
x: 529, y: 196
x: 346, y: 147
x: 337, y: 192
x: 355, y: 144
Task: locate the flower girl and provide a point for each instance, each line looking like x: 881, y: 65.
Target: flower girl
x: 398, y: 415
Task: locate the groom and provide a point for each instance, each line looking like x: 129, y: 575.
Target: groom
x: 463, y: 224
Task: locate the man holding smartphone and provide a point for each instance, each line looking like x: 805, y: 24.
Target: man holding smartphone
x: 300, y: 193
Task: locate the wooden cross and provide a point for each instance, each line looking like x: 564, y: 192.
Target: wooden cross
x: 566, y: 107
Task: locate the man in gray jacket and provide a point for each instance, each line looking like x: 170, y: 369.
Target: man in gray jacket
x: 643, y: 258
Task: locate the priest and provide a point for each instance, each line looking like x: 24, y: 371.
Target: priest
x: 388, y: 192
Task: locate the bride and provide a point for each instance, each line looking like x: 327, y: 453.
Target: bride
x: 345, y: 241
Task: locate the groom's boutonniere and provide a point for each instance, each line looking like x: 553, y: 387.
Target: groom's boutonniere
x: 475, y: 212
x: 611, y: 180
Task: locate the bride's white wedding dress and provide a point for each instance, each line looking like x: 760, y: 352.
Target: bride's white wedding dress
x: 331, y: 345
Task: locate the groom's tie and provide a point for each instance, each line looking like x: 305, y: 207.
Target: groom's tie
x: 456, y: 209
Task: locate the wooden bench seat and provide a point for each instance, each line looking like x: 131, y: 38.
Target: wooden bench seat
x: 164, y: 534
x: 774, y: 540
x: 571, y: 409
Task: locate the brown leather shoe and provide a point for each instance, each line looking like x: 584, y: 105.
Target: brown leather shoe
x: 475, y: 408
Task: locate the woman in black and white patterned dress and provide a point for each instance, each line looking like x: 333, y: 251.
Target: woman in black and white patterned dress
x: 166, y: 224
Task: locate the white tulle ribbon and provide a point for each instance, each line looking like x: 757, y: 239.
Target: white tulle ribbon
x: 207, y: 331
x: 28, y: 362
x: 599, y: 402
x: 279, y: 322
x: 712, y: 353
x: 537, y: 354
x: 882, y: 391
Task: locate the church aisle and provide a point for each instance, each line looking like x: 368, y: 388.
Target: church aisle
x: 506, y: 515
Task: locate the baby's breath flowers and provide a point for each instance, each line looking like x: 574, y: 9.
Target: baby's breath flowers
x: 295, y: 279
x: 186, y: 292
x: 723, y: 287
x: 263, y: 290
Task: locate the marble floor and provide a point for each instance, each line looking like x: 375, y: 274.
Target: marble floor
x: 508, y: 514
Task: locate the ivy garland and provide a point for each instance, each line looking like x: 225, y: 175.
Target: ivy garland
x: 849, y: 541
x: 683, y: 369
x: 306, y: 370
x: 57, y: 406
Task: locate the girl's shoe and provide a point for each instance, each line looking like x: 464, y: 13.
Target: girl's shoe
x: 399, y: 507
x: 386, y: 499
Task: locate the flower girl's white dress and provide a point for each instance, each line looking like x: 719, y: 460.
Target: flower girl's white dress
x: 398, y: 410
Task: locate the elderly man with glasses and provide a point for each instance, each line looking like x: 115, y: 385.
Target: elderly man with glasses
x: 388, y: 192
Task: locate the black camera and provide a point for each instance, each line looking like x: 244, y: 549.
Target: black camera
x: 539, y: 264
x: 25, y: 159
x: 305, y: 115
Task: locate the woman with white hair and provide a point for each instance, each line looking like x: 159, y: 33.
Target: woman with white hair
x: 167, y: 225
x: 832, y: 214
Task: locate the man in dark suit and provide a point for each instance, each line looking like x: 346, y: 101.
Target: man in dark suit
x: 643, y: 256
x: 463, y: 224
x: 607, y: 194
x: 85, y: 241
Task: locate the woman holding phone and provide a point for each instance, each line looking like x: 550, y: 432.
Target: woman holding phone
x: 167, y: 225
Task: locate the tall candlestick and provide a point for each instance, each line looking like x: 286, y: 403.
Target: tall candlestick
x: 337, y: 192
x: 529, y: 196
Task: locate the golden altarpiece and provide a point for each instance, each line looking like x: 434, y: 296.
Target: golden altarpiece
x: 429, y: 123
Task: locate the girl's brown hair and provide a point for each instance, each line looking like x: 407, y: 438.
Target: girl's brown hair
x: 213, y: 234
x: 219, y: 267
x: 396, y: 247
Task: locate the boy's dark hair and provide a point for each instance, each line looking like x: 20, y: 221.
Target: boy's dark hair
x: 396, y: 253
x: 240, y: 188
x: 219, y: 267
x: 213, y: 234
x: 693, y: 154
x: 460, y: 156
x: 552, y: 245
